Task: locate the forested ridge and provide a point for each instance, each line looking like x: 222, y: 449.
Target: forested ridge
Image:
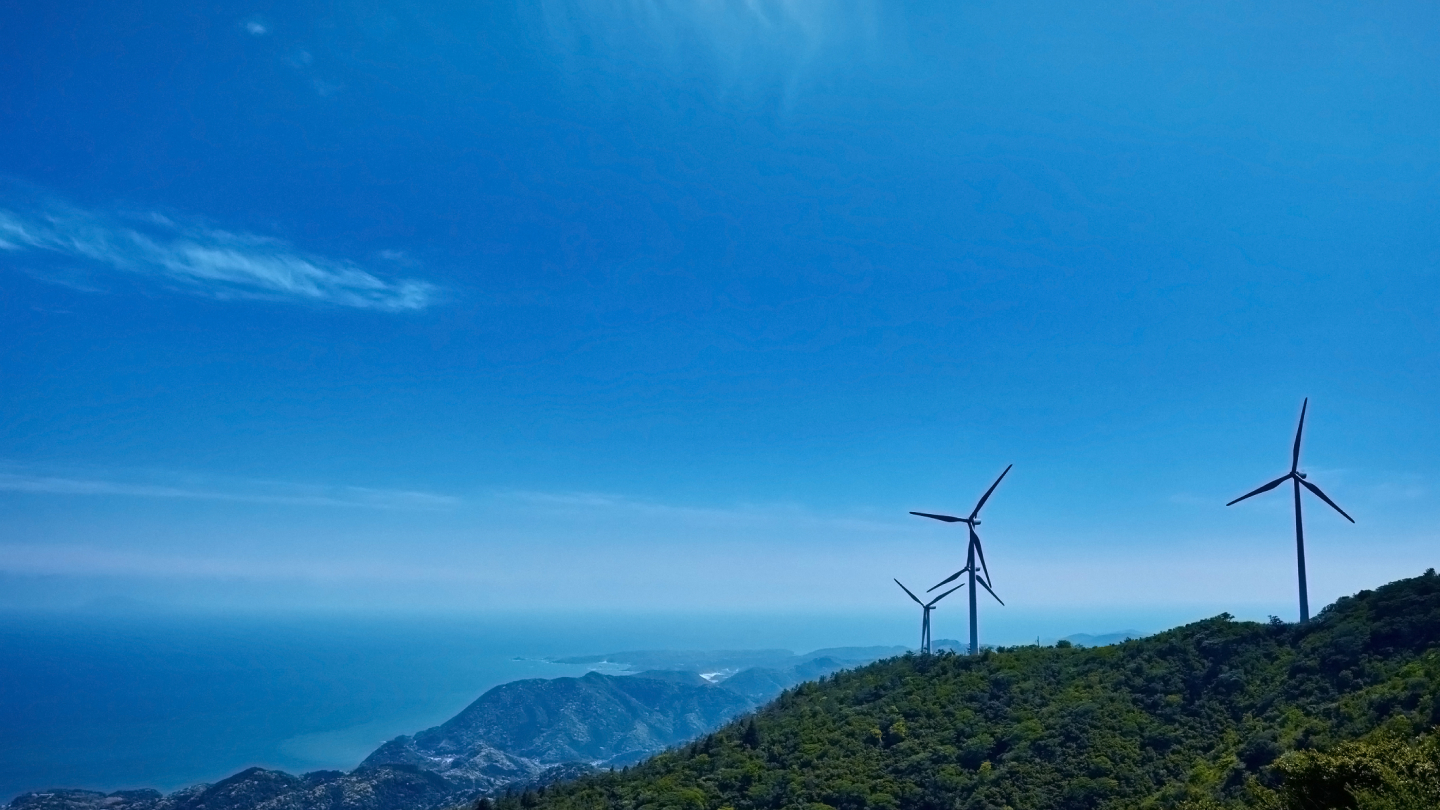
x: 1215, y: 713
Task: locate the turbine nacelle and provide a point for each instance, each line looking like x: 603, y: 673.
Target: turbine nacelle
x: 1300, y: 479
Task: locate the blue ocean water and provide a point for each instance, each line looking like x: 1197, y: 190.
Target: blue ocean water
x: 162, y: 701
x: 146, y: 702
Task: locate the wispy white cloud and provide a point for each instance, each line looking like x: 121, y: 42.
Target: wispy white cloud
x: 789, y: 515
x: 79, y: 560
x: 747, y: 40
x: 324, y: 88
x: 52, y: 482
x: 66, y: 277
x: 303, y: 62
x: 256, y: 28
x: 201, y: 258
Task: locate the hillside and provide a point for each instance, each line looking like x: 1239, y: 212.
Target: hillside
x: 1200, y: 714
x: 596, y: 718
x: 515, y: 731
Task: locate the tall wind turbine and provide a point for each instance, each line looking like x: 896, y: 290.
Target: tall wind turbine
x: 925, y: 609
x: 972, y: 552
x: 1298, y: 479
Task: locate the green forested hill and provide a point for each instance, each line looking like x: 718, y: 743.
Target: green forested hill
x: 1200, y: 714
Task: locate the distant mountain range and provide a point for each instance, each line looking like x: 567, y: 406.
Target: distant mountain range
x: 1104, y: 639
x: 518, y: 735
x: 1076, y: 640
x: 717, y: 665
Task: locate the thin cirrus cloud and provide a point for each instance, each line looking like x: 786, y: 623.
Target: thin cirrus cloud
x: 197, y: 258
x: 746, y: 40
x: 786, y: 517
x: 62, y: 483
x: 87, y: 560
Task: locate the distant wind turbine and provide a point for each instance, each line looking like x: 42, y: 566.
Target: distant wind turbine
x: 1298, y: 478
x: 925, y: 618
x: 973, y: 551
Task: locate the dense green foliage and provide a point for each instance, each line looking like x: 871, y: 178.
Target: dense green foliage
x: 1387, y: 773
x: 1217, y: 713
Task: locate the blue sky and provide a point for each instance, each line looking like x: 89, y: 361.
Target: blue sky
x: 639, y: 305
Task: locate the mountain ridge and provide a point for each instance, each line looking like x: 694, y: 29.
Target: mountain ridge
x: 1216, y: 713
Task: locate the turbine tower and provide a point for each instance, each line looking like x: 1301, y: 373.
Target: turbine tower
x: 1298, y: 479
x: 925, y: 617
x: 972, y: 552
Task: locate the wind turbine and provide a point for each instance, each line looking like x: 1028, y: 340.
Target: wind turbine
x: 972, y: 551
x: 926, y: 608
x: 1298, y: 479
